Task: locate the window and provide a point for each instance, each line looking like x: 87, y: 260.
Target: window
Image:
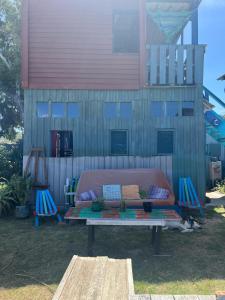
x: 61, y: 143
x: 157, y: 109
x: 73, y: 110
x: 125, y: 110
x: 165, y: 141
x: 58, y: 110
x: 110, y: 110
x: 172, y: 109
x: 125, y: 32
x: 42, y: 110
x: 188, y: 108
x: 119, y: 142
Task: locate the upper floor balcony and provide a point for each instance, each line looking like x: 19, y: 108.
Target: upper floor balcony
x: 174, y: 65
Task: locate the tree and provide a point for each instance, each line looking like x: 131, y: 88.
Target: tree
x: 10, y: 95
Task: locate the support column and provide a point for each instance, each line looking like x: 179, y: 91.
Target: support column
x: 194, y: 22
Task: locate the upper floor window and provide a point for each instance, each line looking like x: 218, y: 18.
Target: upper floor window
x: 125, y: 110
x: 118, y: 109
x: 58, y: 110
x: 125, y: 32
x: 188, y: 108
x: 172, y: 109
x: 157, y: 108
x: 73, y: 110
x: 42, y: 110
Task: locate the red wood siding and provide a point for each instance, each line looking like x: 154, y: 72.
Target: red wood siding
x: 70, y: 46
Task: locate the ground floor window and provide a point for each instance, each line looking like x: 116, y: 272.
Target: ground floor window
x: 119, y: 142
x: 165, y: 142
x: 61, y: 143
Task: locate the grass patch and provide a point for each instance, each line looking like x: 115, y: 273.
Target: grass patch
x: 196, y: 263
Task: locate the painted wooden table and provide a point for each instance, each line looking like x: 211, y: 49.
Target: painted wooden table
x: 131, y: 217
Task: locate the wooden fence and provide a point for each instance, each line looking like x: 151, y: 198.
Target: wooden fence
x: 175, y: 64
x: 60, y: 168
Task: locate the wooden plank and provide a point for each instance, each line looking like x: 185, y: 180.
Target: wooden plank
x: 140, y: 297
x: 189, y: 65
x: 172, y: 60
x: 130, y: 280
x: 180, y: 65
x: 162, y: 65
x: 60, y: 288
x: 199, y: 63
x: 153, y: 64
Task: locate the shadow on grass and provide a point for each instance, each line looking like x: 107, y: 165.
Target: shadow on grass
x: 46, y: 252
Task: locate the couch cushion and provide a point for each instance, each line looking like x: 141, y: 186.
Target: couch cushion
x: 130, y: 192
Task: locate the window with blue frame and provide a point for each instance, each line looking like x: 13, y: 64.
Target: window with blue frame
x: 157, y: 109
x: 172, y: 109
x: 42, y: 110
x: 110, y: 110
x: 125, y: 110
x: 58, y: 110
x: 188, y: 108
x: 73, y: 110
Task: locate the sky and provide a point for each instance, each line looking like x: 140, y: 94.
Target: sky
x: 212, y: 33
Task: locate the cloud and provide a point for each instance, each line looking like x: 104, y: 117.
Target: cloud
x: 213, y: 3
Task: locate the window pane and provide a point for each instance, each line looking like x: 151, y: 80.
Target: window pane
x: 42, y: 109
x: 125, y: 32
x: 165, y: 142
x: 125, y: 109
x: 157, y: 109
x: 110, y: 110
x: 58, y: 110
x: 188, y: 108
x: 119, y: 142
x: 172, y: 109
x: 73, y: 110
x: 61, y: 143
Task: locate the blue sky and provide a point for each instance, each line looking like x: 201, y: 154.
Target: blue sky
x: 212, y: 33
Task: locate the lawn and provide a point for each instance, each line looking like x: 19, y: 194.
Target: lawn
x: 33, y: 261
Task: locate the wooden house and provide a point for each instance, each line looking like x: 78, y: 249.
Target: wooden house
x: 111, y: 84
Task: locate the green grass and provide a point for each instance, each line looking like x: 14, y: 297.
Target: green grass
x: 196, y: 263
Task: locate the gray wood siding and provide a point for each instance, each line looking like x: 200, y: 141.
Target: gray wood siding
x: 69, y: 167
x: 91, y: 132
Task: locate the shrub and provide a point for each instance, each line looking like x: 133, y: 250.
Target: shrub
x: 7, y: 201
x: 220, y: 186
x: 11, y: 159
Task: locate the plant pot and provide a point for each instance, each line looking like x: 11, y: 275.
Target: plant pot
x: 22, y: 212
x: 96, y: 206
x: 147, y: 206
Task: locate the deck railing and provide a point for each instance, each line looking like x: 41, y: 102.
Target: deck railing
x: 175, y: 64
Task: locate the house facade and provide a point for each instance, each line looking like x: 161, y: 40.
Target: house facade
x: 111, y: 84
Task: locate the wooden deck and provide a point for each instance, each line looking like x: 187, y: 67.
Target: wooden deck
x: 96, y: 278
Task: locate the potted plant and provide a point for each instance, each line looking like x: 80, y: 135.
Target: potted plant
x: 7, y: 201
x: 21, y: 191
x: 97, y: 205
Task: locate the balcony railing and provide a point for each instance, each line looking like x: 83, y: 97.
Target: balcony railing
x: 175, y: 64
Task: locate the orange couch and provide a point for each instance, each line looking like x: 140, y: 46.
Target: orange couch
x: 94, y: 180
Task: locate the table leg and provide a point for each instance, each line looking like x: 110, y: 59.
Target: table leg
x: 91, y: 239
x: 157, y: 240
x: 153, y: 234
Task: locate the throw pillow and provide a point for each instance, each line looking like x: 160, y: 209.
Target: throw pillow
x: 130, y: 192
x: 112, y: 192
x: 157, y: 192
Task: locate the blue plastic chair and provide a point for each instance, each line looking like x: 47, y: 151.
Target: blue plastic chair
x: 188, y: 197
x: 45, y: 206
